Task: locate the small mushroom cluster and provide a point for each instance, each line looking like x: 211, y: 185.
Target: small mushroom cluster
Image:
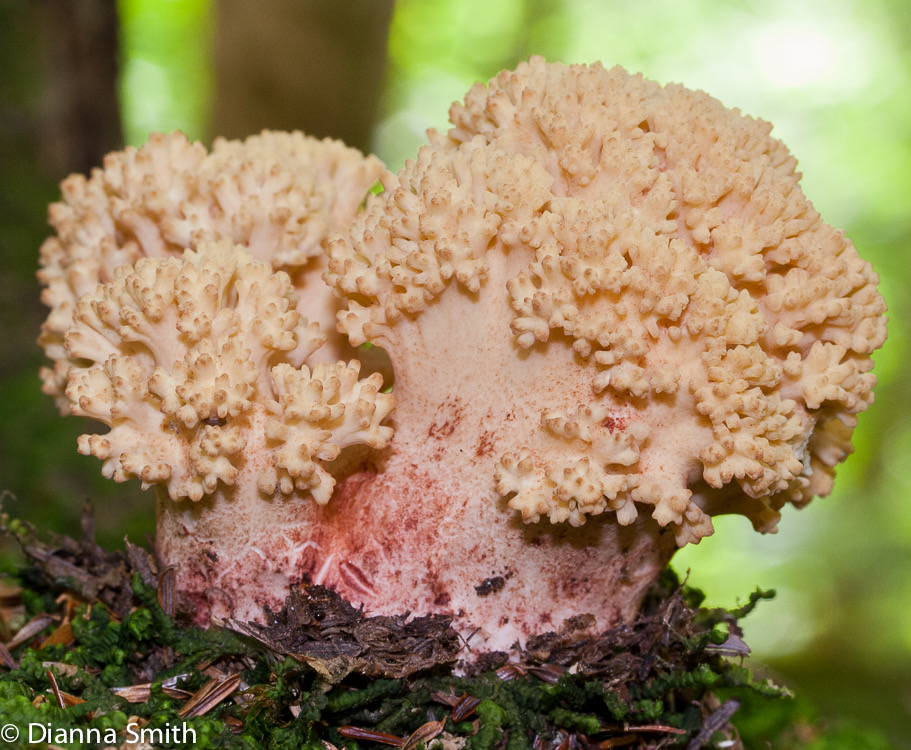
x: 610, y: 311
x: 278, y: 194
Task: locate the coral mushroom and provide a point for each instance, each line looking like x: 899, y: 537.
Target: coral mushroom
x: 610, y: 308
x: 198, y: 366
x: 280, y: 194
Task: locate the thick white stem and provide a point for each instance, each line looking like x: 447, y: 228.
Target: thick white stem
x: 425, y: 530
x: 235, y: 552
x: 426, y: 537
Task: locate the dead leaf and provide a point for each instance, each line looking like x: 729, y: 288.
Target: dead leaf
x: 209, y: 696
x: 423, y: 733
x: 6, y: 658
x: 32, y: 628
x: 56, y: 690
x: 142, y: 692
x: 61, y: 636
x: 370, y: 735
x: 67, y: 670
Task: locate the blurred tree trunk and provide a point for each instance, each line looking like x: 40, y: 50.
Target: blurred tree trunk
x: 77, y: 115
x: 58, y: 114
x: 311, y: 65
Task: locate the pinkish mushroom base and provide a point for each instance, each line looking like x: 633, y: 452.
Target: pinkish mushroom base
x: 234, y: 552
x: 412, y: 539
x: 497, y: 596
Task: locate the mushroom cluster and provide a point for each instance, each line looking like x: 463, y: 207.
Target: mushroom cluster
x: 279, y: 194
x: 610, y: 310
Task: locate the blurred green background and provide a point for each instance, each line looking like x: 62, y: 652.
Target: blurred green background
x: 80, y: 77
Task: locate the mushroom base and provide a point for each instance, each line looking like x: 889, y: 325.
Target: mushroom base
x: 409, y: 538
x: 406, y: 540
x: 235, y: 553
x: 384, y: 543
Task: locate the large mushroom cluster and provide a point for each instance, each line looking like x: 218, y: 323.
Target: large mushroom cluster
x: 610, y: 311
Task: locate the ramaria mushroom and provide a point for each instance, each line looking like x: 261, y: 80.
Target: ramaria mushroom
x: 611, y: 314
x: 199, y: 366
x: 279, y: 194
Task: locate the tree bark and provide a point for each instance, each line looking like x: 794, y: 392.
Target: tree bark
x: 311, y: 65
x: 58, y: 114
x: 79, y: 107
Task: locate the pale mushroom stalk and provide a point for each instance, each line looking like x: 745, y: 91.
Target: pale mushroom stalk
x: 429, y: 532
x: 235, y: 551
x: 611, y: 314
x: 199, y: 366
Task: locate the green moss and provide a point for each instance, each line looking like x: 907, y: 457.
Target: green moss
x: 661, y: 681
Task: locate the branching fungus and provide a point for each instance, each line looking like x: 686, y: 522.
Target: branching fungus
x: 609, y: 307
x: 611, y: 312
x: 279, y: 194
x: 198, y: 366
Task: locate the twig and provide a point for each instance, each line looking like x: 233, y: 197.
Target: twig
x: 55, y: 689
x: 209, y: 696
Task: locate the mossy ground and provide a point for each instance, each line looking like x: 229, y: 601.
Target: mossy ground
x: 91, y: 644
